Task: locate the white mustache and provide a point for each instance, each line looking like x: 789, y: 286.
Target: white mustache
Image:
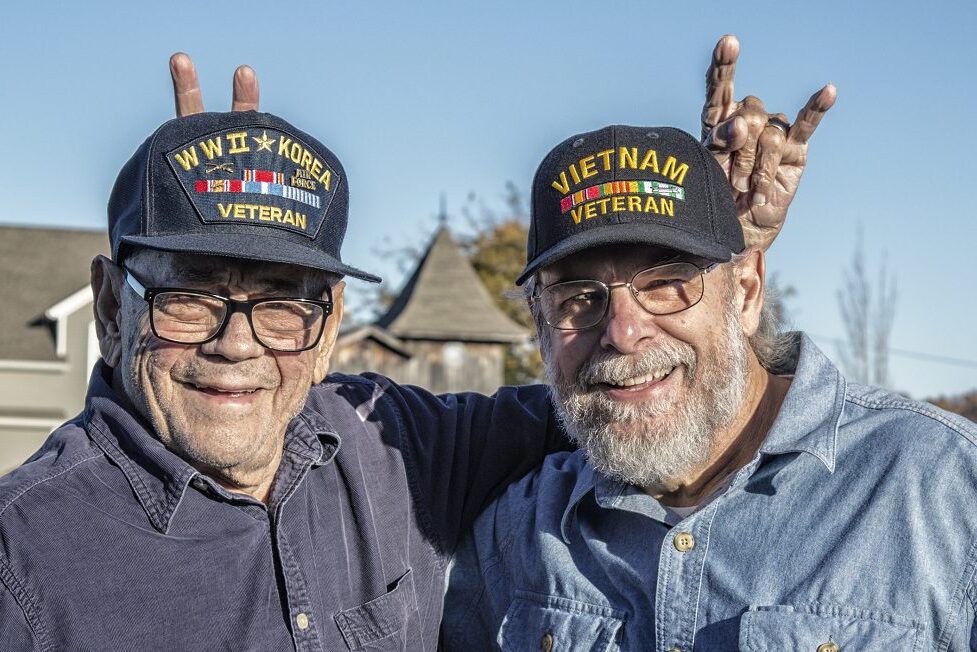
x: 618, y: 369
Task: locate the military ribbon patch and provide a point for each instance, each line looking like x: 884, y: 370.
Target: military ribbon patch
x: 258, y: 187
x: 621, y: 188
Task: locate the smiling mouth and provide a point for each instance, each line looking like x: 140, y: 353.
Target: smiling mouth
x: 634, y: 383
x: 223, y: 392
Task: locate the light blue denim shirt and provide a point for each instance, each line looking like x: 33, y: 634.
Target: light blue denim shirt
x: 855, y: 525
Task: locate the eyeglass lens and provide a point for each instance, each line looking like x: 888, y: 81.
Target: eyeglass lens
x: 661, y: 290
x: 189, y: 318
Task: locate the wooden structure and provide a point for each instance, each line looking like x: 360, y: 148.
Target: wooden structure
x: 443, y: 332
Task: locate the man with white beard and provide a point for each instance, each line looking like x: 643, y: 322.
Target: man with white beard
x: 732, y: 491
x: 646, y: 444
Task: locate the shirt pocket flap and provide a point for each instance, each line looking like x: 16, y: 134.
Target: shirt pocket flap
x: 825, y: 628
x: 365, y: 626
x: 541, y: 622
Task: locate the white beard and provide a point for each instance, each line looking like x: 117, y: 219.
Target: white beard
x: 650, y: 443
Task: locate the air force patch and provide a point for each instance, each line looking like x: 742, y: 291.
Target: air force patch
x: 261, y: 176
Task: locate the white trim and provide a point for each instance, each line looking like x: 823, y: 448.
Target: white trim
x: 59, y: 313
x: 70, y: 304
x: 37, y: 423
x: 43, y: 366
x: 94, y: 351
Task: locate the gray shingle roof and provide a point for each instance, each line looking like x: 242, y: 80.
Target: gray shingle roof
x: 39, y: 268
x: 445, y: 300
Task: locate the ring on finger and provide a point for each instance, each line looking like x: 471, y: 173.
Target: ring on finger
x: 778, y: 123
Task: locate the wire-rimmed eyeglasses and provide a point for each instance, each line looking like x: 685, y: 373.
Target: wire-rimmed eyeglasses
x: 660, y: 290
x: 184, y: 316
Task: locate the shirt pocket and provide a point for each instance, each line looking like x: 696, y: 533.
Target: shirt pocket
x: 826, y: 628
x: 380, y: 624
x: 550, y: 623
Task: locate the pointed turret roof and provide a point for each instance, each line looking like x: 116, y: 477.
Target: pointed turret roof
x: 445, y: 300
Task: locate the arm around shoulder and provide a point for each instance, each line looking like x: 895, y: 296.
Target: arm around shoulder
x: 463, y: 450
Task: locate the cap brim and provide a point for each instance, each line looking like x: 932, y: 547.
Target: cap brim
x: 639, y: 234
x: 239, y: 245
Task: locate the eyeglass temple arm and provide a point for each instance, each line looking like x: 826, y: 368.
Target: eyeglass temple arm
x: 134, y: 284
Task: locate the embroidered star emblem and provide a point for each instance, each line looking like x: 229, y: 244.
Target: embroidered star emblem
x: 264, y: 142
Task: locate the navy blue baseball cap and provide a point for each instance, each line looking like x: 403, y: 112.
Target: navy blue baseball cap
x: 631, y: 185
x: 241, y: 184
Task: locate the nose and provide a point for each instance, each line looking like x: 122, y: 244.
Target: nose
x: 627, y: 327
x: 236, y: 342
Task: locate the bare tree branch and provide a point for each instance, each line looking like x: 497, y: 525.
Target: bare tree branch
x: 867, y: 318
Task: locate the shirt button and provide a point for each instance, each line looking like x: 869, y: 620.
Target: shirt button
x: 302, y: 621
x: 828, y: 647
x: 546, y: 643
x: 674, y: 649
x: 683, y: 542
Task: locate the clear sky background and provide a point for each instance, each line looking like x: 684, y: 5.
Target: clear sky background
x: 420, y: 98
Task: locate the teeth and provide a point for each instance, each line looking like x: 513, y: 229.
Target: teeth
x: 226, y: 391
x: 640, y: 380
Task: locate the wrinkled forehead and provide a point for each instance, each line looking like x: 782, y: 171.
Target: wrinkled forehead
x: 177, y: 269
x: 611, y: 262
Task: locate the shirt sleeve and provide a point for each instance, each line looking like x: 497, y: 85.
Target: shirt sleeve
x: 462, y: 450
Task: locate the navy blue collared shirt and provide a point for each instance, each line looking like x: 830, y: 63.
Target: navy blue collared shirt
x: 853, y: 528
x: 110, y: 541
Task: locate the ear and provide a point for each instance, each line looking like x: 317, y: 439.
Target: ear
x: 749, y: 280
x: 329, y: 335
x: 106, y: 285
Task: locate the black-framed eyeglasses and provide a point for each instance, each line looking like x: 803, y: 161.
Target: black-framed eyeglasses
x: 186, y: 316
x: 660, y: 290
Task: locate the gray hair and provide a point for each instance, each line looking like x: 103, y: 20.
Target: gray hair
x: 771, y: 343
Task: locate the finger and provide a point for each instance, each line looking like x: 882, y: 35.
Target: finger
x: 770, y: 149
x: 719, y: 83
x: 727, y: 136
x: 246, y: 94
x: 186, y: 88
x: 810, y: 116
x: 751, y: 109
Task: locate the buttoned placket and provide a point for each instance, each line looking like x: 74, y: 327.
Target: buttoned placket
x: 295, y: 465
x: 303, y: 623
x: 302, y: 613
x: 680, y: 567
x: 680, y: 570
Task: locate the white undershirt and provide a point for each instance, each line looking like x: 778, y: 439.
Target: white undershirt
x: 674, y: 515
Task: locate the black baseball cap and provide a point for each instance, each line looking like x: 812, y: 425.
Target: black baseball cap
x: 241, y: 184
x: 622, y: 185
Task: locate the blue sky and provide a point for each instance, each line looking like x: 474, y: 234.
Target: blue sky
x: 422, y: 98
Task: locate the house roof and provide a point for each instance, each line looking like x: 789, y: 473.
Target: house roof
x: 374, y: 332
x: 445, y: 300
x: 39, y: 269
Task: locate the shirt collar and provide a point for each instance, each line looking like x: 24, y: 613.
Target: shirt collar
x: 159, y: 477
x: 807, y: 422
x: 810, y: 415
x: 586, y: 481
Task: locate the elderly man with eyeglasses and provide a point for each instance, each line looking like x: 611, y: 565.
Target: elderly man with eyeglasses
x: 731, y: 491
x: 219, y: 491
